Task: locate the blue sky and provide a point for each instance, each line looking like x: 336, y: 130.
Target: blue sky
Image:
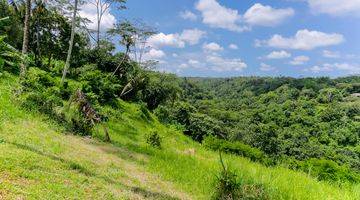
x: 224, y: 38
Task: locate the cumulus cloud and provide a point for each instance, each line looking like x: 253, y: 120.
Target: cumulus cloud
x: 233, y: 47
x: 278, y: 55
x: 331, y: 54
x: 212, y: 47
x: 261, y: 15
x: 346, y: 67
x: 154, y: 54
x: 188, y: 15
x: 161, y: 40
x: 220, y: 64
x: 192, y: 36
x: 218, y: 16
x: 317, y: 69
x: 193, y: 62
x: 265, y: 67
x: 303, y: 40
x: 335, y: 7
x: 188, y: 36
x: 88, y: 11
x: 299, y: 60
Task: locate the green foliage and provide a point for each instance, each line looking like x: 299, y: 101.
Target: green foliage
x: 201, y: 125
x: 9, y: 56
x: 160, y: 88
x: 329, y: 170
x: 328, y: 95
x: 41, y: 92
x: 282, y: 117
x: 228, y: 186
x: 237, y: 148
x: 100, y: 87
x: 153, y: 139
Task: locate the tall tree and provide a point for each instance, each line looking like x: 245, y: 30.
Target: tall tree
x: 134, y: 37
x: 102, y: 6
x: 25, y: 45
x: 71, y: 43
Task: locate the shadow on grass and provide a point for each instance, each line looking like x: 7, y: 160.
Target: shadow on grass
x: 81, y: 169
x: 152, y: 195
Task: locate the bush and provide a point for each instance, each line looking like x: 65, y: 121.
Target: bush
x: 201, y: 125
x: 145, y: 113
x: 154, y: 139
x: 229, y: 187
x: 100, y: 87
x: 329, y: 170
x: 43, y: 92
x: 226, y: 185
x: 237, y: 148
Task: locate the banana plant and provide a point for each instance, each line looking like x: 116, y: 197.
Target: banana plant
x: 8, y: 54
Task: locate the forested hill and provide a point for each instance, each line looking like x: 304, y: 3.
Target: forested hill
x: 233, y: 87
x: 295, y: 122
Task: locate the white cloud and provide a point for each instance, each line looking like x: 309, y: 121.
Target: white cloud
x: 212, y: 47
x: 192, y: 36
x: 317, y: 69
x: 154, y: 54
x: 335, y: 7
x: 348, y: 68
x: 233, y: 46
x: 188, y: 15
x: 265, y: 67
x: 183, y: 66
x: 219, y: 64
x: 193, y: 62
x: 218, y: 16
x: 88, y: 11
x: 261, y: 15
x: 299, y: 60
x: 303, y: 40
x: 161, y: 39
x: 331, y: 54
x: 188, y: 36
x: 278, y: 55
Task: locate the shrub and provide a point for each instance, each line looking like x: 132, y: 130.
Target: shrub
x: 329, y: 170
x: 237, y: 148
x: 100, y: 87
x: 229, y: 187
x: 226, y: 185
x: 201, y: 125
x: 153, y: 139
x: 145, y: 113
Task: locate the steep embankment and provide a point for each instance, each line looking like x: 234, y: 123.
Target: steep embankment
x: 39, y: 160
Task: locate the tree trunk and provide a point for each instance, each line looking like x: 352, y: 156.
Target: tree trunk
x: 71, y: 43
x: 25, y: 45
x: 98, y: 33
x: 122, y: 60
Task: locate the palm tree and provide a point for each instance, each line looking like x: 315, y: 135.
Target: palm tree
x: 127, y: 32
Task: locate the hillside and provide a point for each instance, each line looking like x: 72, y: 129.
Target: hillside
x: 39, y: 159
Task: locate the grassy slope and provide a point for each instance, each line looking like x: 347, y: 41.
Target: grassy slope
x: 38, y: 160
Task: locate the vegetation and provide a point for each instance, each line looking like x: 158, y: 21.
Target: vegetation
x: 285, y: 138
x: 287, y: 119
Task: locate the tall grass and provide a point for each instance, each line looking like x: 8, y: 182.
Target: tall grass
x: 38, y: 160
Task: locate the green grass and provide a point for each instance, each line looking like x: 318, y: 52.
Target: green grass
x: 39, y: 160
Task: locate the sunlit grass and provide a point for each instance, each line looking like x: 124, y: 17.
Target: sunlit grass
x: 39, y: 160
